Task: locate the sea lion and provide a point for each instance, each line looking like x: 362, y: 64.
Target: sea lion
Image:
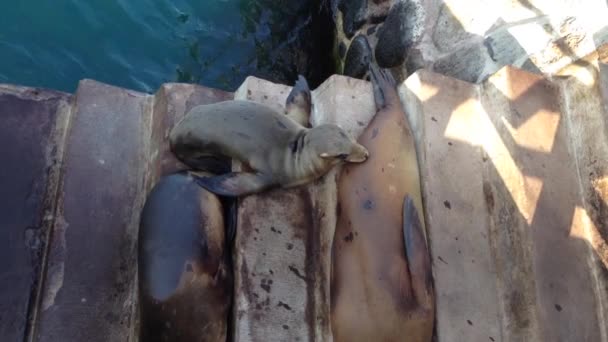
x: 381, y: 288
x: 279, y: 151
x: 299, y: 102
x: 184, y: 271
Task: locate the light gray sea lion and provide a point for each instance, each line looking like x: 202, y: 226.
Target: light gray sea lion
x: 381, y: 287
x: 279, y: 151
x: 184, y: 271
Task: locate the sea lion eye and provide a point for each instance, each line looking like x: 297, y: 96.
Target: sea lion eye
x: 342, y: 156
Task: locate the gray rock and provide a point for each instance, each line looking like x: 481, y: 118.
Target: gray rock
x: 354, y: 14
x: 358, y: 57
x: 449, y: 32
x: 414, y: 61
x: 503, y: 48
x: 528, y: 65
x: 467, y: 64
x: 342, y: 50
x: 396, y: 35
x: 377, y: 19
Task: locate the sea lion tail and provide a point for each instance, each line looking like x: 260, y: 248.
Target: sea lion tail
x: 417, y: 253
x: 384, y: 87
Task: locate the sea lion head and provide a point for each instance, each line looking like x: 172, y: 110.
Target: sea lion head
x: 332, y: 144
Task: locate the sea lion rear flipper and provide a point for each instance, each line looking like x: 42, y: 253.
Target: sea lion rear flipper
x: 384, y: 86
x: 417, y: 254
x: 298, y: 103
x: 235, y: 184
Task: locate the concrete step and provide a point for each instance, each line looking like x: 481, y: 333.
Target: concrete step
x: 514, y: 176
x: 284, y: 237
x: 518, y: 248
x: 32, y: 128
x: 89, y: 289
x: 116, y: 151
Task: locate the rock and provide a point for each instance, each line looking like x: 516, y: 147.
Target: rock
x: 449, y: 31
x: 399, y: 32
x: 528, y: 65
x: 354, y: 14
x: 467, y: 64
x: 358, y: 57
x: 414, y: 61
x: 342, y: 50
x: 377, y: 19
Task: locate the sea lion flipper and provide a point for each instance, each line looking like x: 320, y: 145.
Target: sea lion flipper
x: 235, y: 184
x: 299, y: 102
x: 384, y: 87
x: 231, y: 222
x: 214, y: 164
x: 417, y: 254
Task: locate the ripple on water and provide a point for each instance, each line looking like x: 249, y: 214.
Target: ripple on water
x: 141, y: 44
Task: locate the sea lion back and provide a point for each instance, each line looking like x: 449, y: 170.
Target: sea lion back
x: 233, y: 128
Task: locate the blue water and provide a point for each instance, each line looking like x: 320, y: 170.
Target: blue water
x: 140, y: 44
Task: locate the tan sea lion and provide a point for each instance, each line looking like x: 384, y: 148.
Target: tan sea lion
x: 381, y: 287
x: 279, y: 151
x: 185, y: 280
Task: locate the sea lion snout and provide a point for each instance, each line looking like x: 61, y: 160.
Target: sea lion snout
x: 359, y: 154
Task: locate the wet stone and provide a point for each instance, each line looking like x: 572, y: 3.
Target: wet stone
x: 358, y: 57
x: 354, y: 13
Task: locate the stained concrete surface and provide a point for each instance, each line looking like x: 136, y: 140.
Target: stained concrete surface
x: 515, y: 190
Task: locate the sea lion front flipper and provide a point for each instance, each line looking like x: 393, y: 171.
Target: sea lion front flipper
x: 384, y: 86
x: 299, y: 103
x: 418, y: 257
x: 214, y: 164
x: 231, y: 220
x: 235, y: 184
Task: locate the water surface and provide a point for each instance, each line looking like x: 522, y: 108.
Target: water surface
x: 140, y: 44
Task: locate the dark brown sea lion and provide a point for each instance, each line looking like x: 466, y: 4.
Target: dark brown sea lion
x: 279, y: 151
x: 381, y: 272
x: 299, y: 102
x: 185, y: 282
